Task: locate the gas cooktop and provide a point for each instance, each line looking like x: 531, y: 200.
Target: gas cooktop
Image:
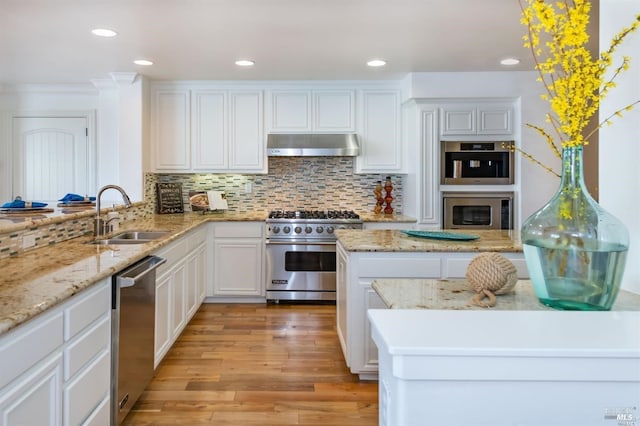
x: 314, y: 214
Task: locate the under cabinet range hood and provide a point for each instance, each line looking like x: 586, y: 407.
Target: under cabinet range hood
x: 312, y: 145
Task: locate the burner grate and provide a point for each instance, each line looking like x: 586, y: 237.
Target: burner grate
x: 313, y: 214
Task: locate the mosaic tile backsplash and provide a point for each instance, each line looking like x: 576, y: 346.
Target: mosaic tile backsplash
x: 293, y: 183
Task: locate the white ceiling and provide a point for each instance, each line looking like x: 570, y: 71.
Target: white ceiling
x: 49, y: 41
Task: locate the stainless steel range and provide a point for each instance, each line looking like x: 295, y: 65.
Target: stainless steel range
x: 301, y: 253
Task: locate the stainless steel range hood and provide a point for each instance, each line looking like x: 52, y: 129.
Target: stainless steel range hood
x: 307, y: 145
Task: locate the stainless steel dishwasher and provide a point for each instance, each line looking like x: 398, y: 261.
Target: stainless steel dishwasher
x: 132, y: 334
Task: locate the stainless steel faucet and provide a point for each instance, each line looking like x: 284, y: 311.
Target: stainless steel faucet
x: 100, y: 226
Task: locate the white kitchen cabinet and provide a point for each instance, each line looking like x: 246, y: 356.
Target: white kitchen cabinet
x: 198, y: 129
x: 420, y: 121
x: 171, y: 130
x: 60, y: 364
x: 179, y: 288
x: 178, y: 301
x: 381, y: 145
x: 196, y: 272
x: 34, y: 398
x: 210, y: 134
x: 327, y: 110
x: 246, y: 134
x: 477, y: 119
x: 238, y: 252
x: 163, y: 335
x: 355, y: 273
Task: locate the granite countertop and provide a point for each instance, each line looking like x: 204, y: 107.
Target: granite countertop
x: 372, y: 217
x: 456, y: 295
x: 39, y: 279
x: 16, y: 222
x: 385, y: 240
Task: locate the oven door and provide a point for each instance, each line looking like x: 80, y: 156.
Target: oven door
x: 301, y: 271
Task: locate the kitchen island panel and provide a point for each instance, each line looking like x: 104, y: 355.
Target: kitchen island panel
x: 368, y: 255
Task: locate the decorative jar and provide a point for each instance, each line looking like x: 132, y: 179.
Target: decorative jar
x: 574, y: 249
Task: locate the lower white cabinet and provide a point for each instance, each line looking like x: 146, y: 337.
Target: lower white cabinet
x: 355, y: 273
x: 196, y: 270
x: 60, y: 364
x: 34, y: 398
x: 238, y: 252
x: 180, y: 284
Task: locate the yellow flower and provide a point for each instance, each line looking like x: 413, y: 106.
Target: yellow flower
x: 574, y: 80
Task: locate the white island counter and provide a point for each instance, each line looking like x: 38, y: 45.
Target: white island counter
x: 492, y: 367
x: 367, y: 255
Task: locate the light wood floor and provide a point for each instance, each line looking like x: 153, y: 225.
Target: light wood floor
x: 257, y: 364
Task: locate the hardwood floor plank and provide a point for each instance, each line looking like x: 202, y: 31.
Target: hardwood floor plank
x: 257, y: 364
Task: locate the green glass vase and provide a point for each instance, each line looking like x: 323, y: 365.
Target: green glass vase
x: 574, y: 249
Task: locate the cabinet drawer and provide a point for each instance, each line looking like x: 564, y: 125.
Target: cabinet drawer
x: 26, y: 345
x: 100, y: 415
x: 196, y: 238
x: 84, y: 394
x: 399, y: 268
x: 86, y: 347
x: 88, y: 308
x: 174, y: 253
x: 238, y: 230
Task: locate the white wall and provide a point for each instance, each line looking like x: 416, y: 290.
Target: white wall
x: 619, y: 178
x: 536, y: 185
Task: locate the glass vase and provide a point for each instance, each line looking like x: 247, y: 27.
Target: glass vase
x: 574, y: 249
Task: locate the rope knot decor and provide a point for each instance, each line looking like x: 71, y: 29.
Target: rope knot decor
x: 489, y: 274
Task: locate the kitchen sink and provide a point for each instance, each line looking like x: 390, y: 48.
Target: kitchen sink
x: 140, y: 235
x: 132, y: 237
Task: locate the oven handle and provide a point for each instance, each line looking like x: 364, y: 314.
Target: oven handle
x: 289, y: 243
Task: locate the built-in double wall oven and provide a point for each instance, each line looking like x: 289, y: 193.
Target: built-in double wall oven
x: 481, y: 164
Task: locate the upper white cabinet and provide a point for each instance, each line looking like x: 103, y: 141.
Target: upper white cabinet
x: 207, y: 130
x: 210, y: 130
x: 476, y: 119
x: 312, y: 110
x: 246, y: 135
x: 381, y: 148
x: 170, y: 130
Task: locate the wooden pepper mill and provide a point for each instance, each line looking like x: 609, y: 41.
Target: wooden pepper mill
x: 388, y: 198
x: 379, y: 200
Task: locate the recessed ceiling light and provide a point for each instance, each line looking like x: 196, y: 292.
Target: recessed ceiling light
x: 377, y: 63
x: 104, y: 32
x: 245, y: 63
x: 510, y: 61
x: 144, y: 62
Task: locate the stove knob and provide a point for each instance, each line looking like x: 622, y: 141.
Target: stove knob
x: 275, y: 229
x: 286, y: 229
x: 308, y: 229
x: 329, y: 229
x: 297, y: 229
x: 319, y: 229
